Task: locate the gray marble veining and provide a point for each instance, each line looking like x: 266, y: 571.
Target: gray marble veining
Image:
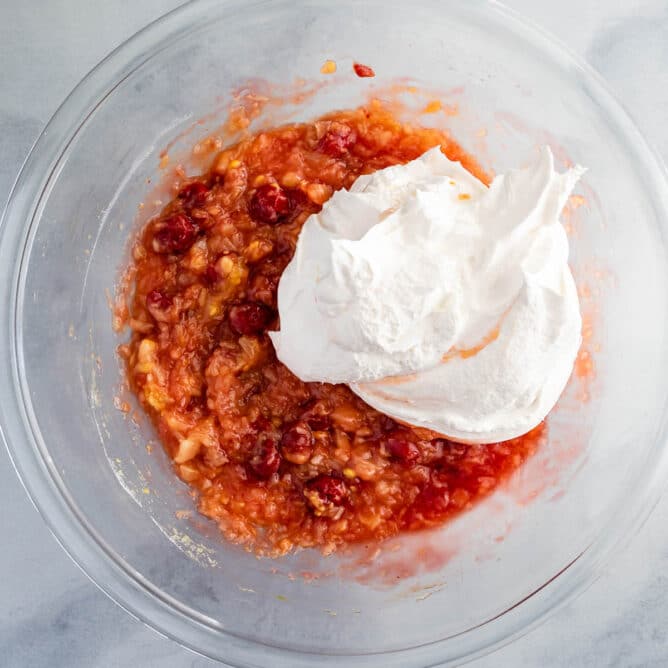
x: 50, y: 614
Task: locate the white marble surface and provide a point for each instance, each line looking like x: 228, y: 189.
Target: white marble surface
x: 50, y: 614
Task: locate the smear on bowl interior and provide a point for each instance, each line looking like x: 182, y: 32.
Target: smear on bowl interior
x: 342, y: 330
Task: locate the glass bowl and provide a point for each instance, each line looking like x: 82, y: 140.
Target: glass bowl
x: 429, y: 598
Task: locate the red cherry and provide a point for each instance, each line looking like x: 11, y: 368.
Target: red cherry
x: 337, y: 141
x: 401, y: 449
x: 297, y: 443
x: 249, y: 318
x: 193, y: 194
x: 363, y: 70
x: 330, y: 489
x: 175, y: 234
x: 266, y: 459
x: 269, y: 204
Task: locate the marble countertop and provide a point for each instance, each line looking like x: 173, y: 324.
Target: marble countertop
x: 50, y: 613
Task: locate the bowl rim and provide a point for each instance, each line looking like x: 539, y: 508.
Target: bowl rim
x: 30, y: 457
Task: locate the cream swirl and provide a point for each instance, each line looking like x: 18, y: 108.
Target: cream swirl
x: 441, y: 302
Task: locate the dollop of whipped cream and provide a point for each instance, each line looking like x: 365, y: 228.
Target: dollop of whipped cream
x: 441, y: 302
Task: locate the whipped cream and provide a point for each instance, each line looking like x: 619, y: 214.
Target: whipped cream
x: 441, y: 302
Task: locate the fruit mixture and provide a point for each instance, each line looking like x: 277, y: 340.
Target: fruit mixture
x: 279, y: 463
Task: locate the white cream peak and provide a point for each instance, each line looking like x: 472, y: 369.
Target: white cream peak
x: 441, y: 302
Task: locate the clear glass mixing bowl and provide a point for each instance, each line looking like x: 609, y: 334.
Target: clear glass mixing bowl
x: 466, y: 588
